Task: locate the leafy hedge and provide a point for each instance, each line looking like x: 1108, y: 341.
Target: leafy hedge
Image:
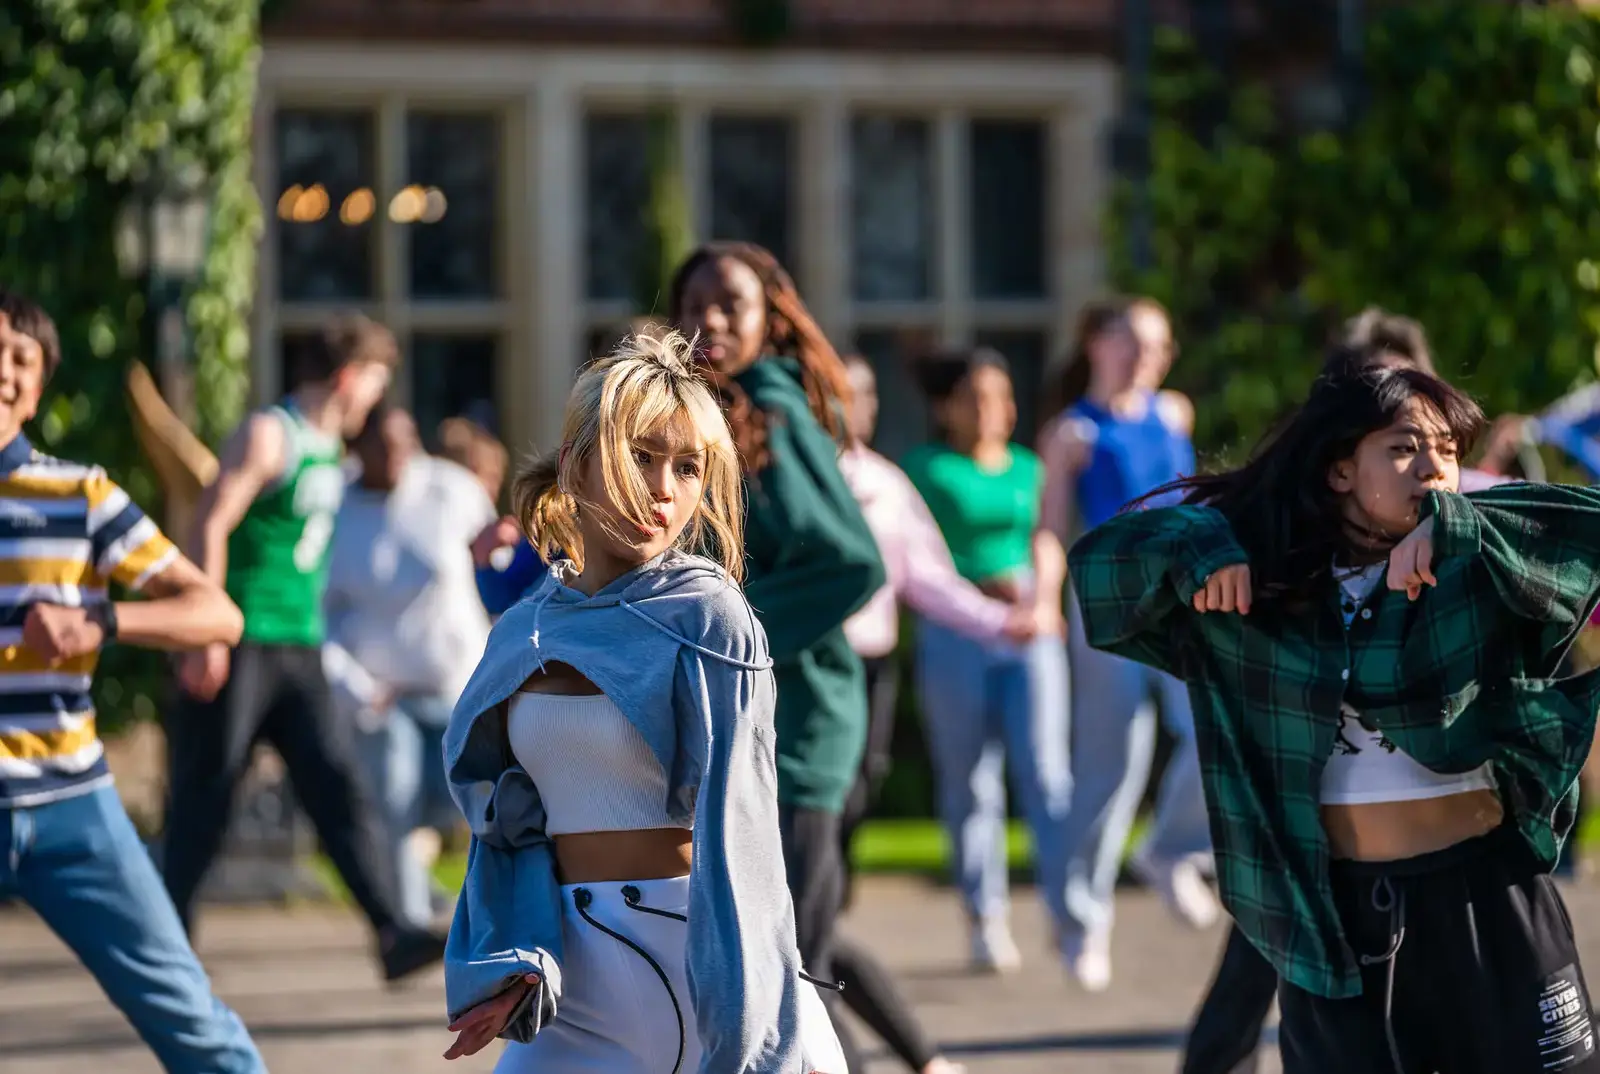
x: 95, y: 95
x: 1464, y: 195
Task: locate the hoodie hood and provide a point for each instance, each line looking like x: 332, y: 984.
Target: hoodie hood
x: 626, y: 639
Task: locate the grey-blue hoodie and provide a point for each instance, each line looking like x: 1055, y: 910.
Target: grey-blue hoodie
x: 675, y: 646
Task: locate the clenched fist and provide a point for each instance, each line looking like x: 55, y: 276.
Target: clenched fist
x: 1411, y: 561
x: 60, y: 633
x: 1228, y: 590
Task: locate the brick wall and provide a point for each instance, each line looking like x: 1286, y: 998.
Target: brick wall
x: 1078, y: 25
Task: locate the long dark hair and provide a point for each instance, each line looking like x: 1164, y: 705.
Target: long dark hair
x: 791, y: 331
x: 1279, y: 503
x: 1071, y: 379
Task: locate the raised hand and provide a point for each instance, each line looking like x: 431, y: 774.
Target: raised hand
x: 1411, y: 561
x: 1228, y: 590
x: 501, y: 533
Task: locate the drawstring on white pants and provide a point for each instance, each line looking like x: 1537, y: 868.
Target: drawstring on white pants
x: 582, y: 898
x: 1387, y: 900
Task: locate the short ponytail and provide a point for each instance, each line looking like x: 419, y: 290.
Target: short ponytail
x: 548, y: 516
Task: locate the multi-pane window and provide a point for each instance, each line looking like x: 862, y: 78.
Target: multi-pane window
x: 1007, y: 214
x: 453, y: 376
x: 411, y: 234
x: 752, y: 178
x: 617, y: 189
x: 455, y: 161
x: 891, y: 209
x: 326, y: 208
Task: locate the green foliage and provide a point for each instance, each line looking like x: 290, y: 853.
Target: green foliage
x: 1465, y: 196
x: 95, y: 97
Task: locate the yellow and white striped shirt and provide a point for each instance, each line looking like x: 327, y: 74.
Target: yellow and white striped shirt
x: 66, y: 531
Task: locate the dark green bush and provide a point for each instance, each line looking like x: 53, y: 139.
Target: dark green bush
x: 1464, y: 195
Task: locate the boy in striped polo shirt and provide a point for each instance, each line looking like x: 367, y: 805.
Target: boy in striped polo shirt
x: 67, y: 847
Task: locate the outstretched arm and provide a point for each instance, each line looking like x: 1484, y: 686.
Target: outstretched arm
x: 254, y: 456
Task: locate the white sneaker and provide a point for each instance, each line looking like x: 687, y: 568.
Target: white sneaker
x: 993, y: 948
x: 1087, y: 956
x: 1183, y: 889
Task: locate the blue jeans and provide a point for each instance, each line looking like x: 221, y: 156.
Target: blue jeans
x: 1113, y: 740
x: 982, y: 705
x: 79, y: 863
x: 404, y: 759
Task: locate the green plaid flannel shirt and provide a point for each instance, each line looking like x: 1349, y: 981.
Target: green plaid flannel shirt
x: 1464, y: 675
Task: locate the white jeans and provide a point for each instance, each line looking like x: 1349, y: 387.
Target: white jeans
x: 616, y: 1015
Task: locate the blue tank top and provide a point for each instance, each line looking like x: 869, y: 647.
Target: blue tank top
x: 1130, y: 459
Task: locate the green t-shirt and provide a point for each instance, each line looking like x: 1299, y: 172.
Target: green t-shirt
x: 278, y: 554
x: 987, y: 516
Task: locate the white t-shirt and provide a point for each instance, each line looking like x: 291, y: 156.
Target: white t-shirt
x: 402, y: 603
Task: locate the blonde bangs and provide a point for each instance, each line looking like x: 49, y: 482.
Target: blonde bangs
x: 648, y: 387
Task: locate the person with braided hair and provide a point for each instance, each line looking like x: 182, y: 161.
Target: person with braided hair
x: 811, y: 561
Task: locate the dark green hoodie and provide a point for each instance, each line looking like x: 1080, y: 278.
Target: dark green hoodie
x: 811, y: 562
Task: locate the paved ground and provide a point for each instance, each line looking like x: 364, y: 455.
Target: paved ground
x: 303, y: 981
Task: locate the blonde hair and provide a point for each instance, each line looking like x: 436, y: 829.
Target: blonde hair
x: 645, y: 384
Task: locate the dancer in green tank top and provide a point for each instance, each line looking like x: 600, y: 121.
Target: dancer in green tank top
x: 263, y: 529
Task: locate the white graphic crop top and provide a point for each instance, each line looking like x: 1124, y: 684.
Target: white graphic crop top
x: 1365, y: 767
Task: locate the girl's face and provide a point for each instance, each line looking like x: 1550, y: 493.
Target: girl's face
x: 1114, y: 357
x: 862, y: 414
x: 1382, y: 484
x: 724, y: 302
x: 1152, y: 337
x: 672, y: 462
x: 982, y: 409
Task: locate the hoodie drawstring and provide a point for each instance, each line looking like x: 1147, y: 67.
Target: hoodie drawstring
x: 538, y: 610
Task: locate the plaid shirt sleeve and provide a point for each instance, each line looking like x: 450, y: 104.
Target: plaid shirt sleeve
x: 1132, y: 573
x: 1539, y: 544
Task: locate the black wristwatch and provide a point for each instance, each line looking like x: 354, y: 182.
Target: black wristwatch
x: 106, y: 615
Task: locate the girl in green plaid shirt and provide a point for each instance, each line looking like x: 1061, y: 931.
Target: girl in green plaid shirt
x: 1388, y: 755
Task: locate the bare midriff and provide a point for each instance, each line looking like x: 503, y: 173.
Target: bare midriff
x: 600, y: 857
x: 1392, y: 831
x: 596, y: 857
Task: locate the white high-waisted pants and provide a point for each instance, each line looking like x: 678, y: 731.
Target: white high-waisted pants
x: 616, y: 1016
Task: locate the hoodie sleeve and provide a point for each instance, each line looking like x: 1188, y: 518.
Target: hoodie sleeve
x: 827, y: 563
x: 508, y: 917
x: 743, y: 966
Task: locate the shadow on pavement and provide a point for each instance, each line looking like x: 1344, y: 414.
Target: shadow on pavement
x: 262, y: 1032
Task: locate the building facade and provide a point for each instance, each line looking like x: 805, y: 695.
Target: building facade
x: 472, y: 173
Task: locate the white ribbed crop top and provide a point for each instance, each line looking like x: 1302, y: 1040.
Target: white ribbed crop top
x: 593, y: 769
x: 1365, y: 766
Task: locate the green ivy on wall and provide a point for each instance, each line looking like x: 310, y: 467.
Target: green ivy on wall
x: 96, y: 95
x: 1466, y: 195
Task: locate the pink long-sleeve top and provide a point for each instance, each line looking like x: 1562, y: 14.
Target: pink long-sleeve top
x: 916, y: 559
